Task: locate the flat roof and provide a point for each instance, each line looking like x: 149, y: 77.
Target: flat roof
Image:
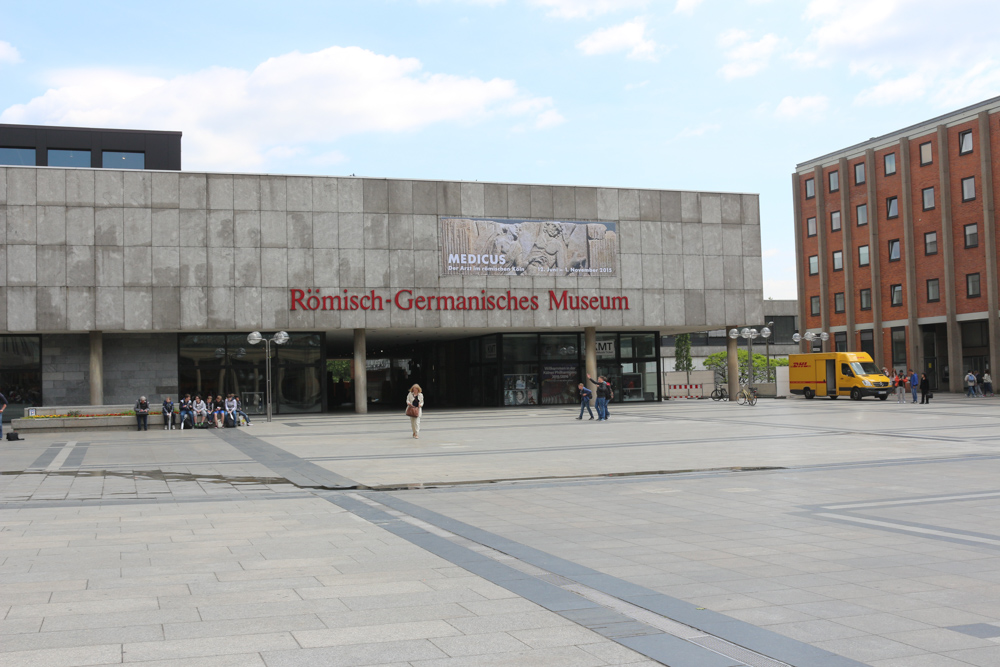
x: 86, y: 129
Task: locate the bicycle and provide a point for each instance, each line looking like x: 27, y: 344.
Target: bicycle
x: 747, y: 396
x: 720, y: 393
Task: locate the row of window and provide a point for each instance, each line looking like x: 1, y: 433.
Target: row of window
x: 892, y: 207
x: 864, y: 258
x: 972, y: 290
x: 25, y: 157
x: 889, y: 162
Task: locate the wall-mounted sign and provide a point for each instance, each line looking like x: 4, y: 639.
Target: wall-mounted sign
x: 605, y: 349
x: 405, y: 299
x: 498, y: 247
x: 490, y: 350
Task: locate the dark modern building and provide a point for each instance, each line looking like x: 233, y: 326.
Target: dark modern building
x: 896, y: 245
x: 42, y: 146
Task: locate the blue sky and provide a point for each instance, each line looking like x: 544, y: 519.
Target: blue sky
x: 679, y: 94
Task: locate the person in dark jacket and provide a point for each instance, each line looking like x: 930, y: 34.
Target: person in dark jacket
x: 142, y: 414
x: 168, y: 414
x: 585, y: 396
x: 601, y: 392
x: 925, y: 389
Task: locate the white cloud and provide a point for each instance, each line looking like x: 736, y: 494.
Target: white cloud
x: 575, y: 9
x: 686, y: 6
x: 635, y: 86
x: 549, y: 118
x: 9, y: 54
x: 629, y: 36
x: 238, y: 119
x: 698, y: 130
x: 746, y: 57
x: 905, y: 89
x: 793, y: 107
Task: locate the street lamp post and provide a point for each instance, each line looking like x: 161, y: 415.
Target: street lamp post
x: 766, y: 333
x: 279, y: 338
x: 749, y: 334
x: 810, y: 336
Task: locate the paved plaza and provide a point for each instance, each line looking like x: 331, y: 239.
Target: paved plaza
x: 689, y: 533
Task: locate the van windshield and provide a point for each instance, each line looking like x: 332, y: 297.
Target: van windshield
x: 865, y: 368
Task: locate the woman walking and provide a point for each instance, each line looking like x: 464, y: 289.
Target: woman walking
x: 925, y: 388
x: 414, y: 408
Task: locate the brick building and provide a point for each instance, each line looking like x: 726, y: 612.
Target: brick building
x: 896, y: 247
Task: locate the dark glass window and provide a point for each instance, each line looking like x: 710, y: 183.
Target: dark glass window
x: 784, y: 327
x: 928, y: 198
x: 862, y: 214
x: 638, y: 346
x: 969, y: 188
x: 20, y: 374
x: 894, y: 250
x: 892, y: 207
x: 835, y: 221
x: 863, y: 259
x: 810, y: 188
x: 899, y: 345
x: 63, y: 158
x: 560, y: 346
x: 838, y: 302
x: 814, y: 305
x: 930, y: 243
x: 838, y: 260
x: 834, y: 181
x: 965, y: 142
x: 813, y: 265
x: 17, y: 157
x: 972, y: 285
x: 896, y: 295
x: 859, y: 173
x: 865, y: 298
x: 933, y: 290
x: 890, y: 164
x: 811, y: 227
x: 867, y: 338
x: 926, y: 153
x: 123, y: 160
x: 972, y: 235
x: 840, y: 341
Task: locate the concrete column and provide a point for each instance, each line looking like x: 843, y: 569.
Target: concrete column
x: 732, y: 364
x: 847, y: 230
x: 96, y: 368
x: 590, y: 351
x: 989, y: 236
x: 947, y: 246
x: 874, y: 211
x: 800, y: 255
x: 913, y: 338
x: 823, y: 227
x: 360, y: 373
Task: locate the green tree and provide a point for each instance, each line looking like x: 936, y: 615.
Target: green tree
x: 717, y: 362
x: 340, y: 369
x: 682, y: 355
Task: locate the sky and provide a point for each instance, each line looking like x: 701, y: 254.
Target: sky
x: 672, y: 94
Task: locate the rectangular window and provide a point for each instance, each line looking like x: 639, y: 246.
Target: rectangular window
x: 892, y: 207
x: 965, y: 142
x: 813, y: 265
x: 863, y: 259
x: 814, y: 305
x: 969, y: 188
x: 123, y: 160
x: 928, y: 195
x: 840, y: 341
x: 896, y: 295
x: 926, y: 153
x: 810, y: 188
x: 859, y: 173
x: 890, y: 164
x: 835, y: 221
x: 867, y: 338
x: 894, y: 250
x: 972, y: 285
x: 972, y: 235
x: 838, y: 302
x: 865, y: 298
x: 933, y: 290
x: 899, y: 346
x: 61, y: 158
x: 834, y: 181
x: 930, y: 243
x: 811, y: 227
x: 862, y: 214
x: 838, y: 260
x: 17, y: 157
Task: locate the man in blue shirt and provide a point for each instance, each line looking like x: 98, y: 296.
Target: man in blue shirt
x: 914, y: 384
x: 585, y: 395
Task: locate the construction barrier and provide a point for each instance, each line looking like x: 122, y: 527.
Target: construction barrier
x: 686, y: 390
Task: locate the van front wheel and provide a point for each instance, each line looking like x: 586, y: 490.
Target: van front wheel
x: 855, y: 394
x: 808, y: 392
x: 882, y: 397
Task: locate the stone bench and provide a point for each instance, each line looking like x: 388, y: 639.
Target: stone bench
x: 105, y: 419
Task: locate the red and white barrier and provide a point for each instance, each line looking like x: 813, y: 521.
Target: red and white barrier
x: 686, y: 390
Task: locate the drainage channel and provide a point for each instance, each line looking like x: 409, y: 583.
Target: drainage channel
x: 743, y: 657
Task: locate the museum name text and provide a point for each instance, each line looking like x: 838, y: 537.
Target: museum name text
x: 404, y: 299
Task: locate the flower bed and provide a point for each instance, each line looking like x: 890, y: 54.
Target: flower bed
x: 73, y: 414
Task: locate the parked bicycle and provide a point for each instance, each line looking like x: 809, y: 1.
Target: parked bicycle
x: 747, y: 396
x: 720, y: 393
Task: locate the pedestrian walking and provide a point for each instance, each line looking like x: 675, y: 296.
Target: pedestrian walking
x: 601, y: 392
x: 415, y: 408
x: 914, y: 384
x: 585, y: 396
x: 987, y: 384
x: 970, y: 384
x: 925, y: 389
x: 142, y: 414
x: 900, y: 387
x: 979, y: 385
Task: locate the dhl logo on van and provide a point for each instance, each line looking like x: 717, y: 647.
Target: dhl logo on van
x: 800, y: 364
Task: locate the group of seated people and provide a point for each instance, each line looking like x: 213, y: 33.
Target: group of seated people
x: 199, y: 413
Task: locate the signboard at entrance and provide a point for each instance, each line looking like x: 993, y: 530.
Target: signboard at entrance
x: 405, y: 299
x: 500, y: 247
x: 605, y: 349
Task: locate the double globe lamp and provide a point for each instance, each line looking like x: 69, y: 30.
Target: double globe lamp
x: 279, y: 338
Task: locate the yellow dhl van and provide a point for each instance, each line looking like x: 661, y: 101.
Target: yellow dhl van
x: 836, y: 374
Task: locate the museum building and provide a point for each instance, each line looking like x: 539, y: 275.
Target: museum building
x: 124, y: 275
x: 896, y: 246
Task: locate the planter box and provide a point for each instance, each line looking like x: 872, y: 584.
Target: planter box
x: 106, y: 419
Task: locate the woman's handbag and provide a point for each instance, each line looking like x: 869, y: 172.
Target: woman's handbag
x: 412, y: 411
